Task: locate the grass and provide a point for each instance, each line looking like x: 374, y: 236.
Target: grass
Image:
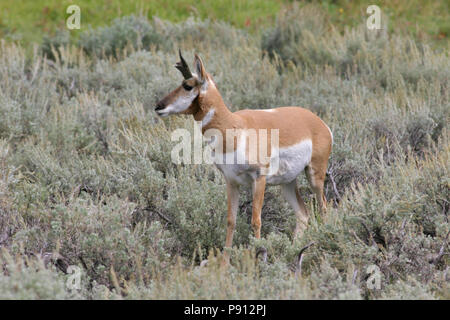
x: 27, y: 21
x: 86, y: 178
x: 21, y: 19
x: 423, y: 19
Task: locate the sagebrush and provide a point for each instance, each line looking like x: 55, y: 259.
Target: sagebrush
x: 86, y: 177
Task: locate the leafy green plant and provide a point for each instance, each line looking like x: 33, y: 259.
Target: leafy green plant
x: 86, y: 175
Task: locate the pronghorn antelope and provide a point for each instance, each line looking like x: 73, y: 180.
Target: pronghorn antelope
x: 304, y: 144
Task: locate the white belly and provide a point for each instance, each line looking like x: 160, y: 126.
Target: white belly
x: 284, y: 166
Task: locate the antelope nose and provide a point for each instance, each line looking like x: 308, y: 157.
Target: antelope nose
x: 159, y: 106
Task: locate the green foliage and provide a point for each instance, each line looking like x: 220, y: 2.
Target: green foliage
x: 137, y: 32
x: 51, y: 44
x: 302, y: 36
x: 28, y: 21
x: 86, y: 174
x: 30, y: 279
x: 111, y: 40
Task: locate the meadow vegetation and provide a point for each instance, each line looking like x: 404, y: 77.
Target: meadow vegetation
x: 86, y: 176
x: 28, y: 21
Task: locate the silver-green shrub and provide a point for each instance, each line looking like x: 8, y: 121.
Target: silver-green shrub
x: 86, y: 172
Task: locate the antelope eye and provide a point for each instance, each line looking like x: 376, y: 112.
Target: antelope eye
x: 187, y: 87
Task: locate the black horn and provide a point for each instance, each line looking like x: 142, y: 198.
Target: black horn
x: 183, y: 67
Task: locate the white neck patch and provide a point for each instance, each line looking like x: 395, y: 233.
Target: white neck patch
x: 208, y: 117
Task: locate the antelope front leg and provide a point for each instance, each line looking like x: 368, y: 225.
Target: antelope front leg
x: 259, y: 186
x: 233, y: 202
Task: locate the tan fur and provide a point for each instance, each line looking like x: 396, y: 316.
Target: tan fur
x: 295, y: 125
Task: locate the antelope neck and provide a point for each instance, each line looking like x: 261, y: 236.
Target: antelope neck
x: 214, y: 114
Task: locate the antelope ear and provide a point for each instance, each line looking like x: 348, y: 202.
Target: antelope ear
x: 199, y: 69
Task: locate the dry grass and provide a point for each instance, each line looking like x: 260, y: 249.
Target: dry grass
x: 86, y: 176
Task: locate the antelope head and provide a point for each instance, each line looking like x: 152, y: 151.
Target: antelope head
x: 184, y: 99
